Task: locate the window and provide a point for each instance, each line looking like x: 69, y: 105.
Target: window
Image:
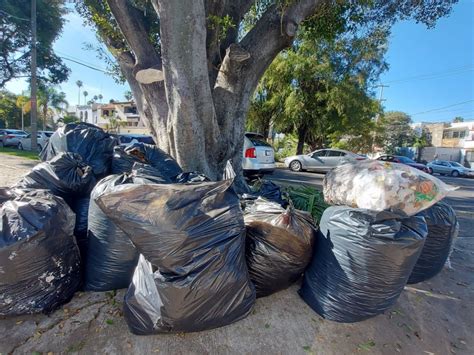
x: 81, y: 115
x: 319, y: 153
x: 455, y: 134
x: 447, y: 135
x: 85, y: 116
x: 256, y: 142
x: 335, y: 153
x: 405, y: 160
x: 462, y: 134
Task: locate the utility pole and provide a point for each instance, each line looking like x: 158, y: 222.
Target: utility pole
x: 34, y: 109
x: 377, y: 116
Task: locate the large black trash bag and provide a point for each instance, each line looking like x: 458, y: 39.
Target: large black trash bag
x: 66, y: 175
x: 80, y: 207
x: 125, y: 157
x: 266, y: 189
x: 91, y: 142
x: 443, y: 228
x: 111, y: 256
x: 193, y: 235
x: 39, y: 258
x: 361, y: 262
x: 279, y: 245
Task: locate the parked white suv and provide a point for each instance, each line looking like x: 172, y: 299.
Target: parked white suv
x: 42, y: 139
x: 258, y: 155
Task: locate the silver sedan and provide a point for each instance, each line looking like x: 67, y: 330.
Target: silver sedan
x: 321, y: 160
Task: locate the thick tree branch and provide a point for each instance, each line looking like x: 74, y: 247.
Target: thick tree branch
x: 131, y: 23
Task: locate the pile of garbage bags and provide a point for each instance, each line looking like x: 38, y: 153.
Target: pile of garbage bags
x: 89, y: 141
x: 279, y: 245
x: 111, y: 256
x: 380, y: 186
x: 193, y: 254
x: 443, y: 228
x: 39, y: 258
x: 124, y: 158
x: 361, y: 262
x: 192, y: 274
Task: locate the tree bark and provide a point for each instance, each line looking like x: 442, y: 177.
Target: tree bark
x: 198, y: 114
x: 301, y: 140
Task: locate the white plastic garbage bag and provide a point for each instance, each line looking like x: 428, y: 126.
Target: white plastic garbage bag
x: 379, y: 186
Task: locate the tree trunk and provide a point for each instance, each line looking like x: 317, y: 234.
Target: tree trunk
x: 198, y: 113
x: 301, y: 140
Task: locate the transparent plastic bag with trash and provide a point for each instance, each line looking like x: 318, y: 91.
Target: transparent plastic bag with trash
x: 193, y: 274
x: 382, y: 186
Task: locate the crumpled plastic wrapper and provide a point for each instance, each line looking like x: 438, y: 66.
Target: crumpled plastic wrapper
x: 380, y: 186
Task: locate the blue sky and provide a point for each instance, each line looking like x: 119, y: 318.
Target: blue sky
x: 430, y: 69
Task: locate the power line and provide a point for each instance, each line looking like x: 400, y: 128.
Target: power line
x: 85, y: 65
x: 452, y: 71
x: 13, y: 16
x: 442, y: 108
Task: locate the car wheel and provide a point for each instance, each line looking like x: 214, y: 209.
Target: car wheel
x: 20, y: 146
x: 455, y: 173
x: 295, y: 165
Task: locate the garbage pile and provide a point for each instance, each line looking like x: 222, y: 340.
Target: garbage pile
x: 39, y: 258
x: 443, y: 228
x: 193, y: 254
x: 279, y: 245
x: 191, y: 275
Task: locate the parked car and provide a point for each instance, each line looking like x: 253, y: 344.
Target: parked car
x: 452, y: 168
x: 42, y: 139
x: 321, y: 160
x: 405, y: 160
x: 11, y: 137
x: 258, y: 155
x: 125, y: 139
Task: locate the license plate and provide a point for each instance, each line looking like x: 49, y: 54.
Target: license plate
x: 268, y: 153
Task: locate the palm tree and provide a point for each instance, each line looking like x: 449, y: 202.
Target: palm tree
x: 49, y: 101
x: 95, y: 98
x: 79, y: 85
x: 100, y: 98
x: 85, y: 93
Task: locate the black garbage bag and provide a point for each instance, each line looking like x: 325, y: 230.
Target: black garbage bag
x: 193, y: 238
x: 361, y: 262
x: 266, y: 189
x: 80, y: 207
x: 111, y: 256
x: 39, y: 258
x: 443, y: 228
x: 125, y: 157
x: 279, y: 245
x: 89, y: 141
x: 66, y: 175
x: 146, y: 174
x: 191, y: 177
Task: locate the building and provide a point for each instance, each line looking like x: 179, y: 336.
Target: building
x: 450, y: 141
x: 100, y: 115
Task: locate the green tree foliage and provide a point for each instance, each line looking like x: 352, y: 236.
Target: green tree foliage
x: 15, y: 34
x: 396, y: 131
x: 10, y: 113
x: 50, y: 102
x: 319, y: 89
x: 458, y: 119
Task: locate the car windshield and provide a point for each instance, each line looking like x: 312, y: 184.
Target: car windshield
x: 259, y: 143
x: 406, y: 160
x: 48, y: 134
x: 453, y: 163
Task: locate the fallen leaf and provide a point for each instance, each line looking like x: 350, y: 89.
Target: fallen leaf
x: 109, y: 321
x: 367, y: 345
x: 19, y: 322
x: 307, y: 348
x: 267, y: 325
